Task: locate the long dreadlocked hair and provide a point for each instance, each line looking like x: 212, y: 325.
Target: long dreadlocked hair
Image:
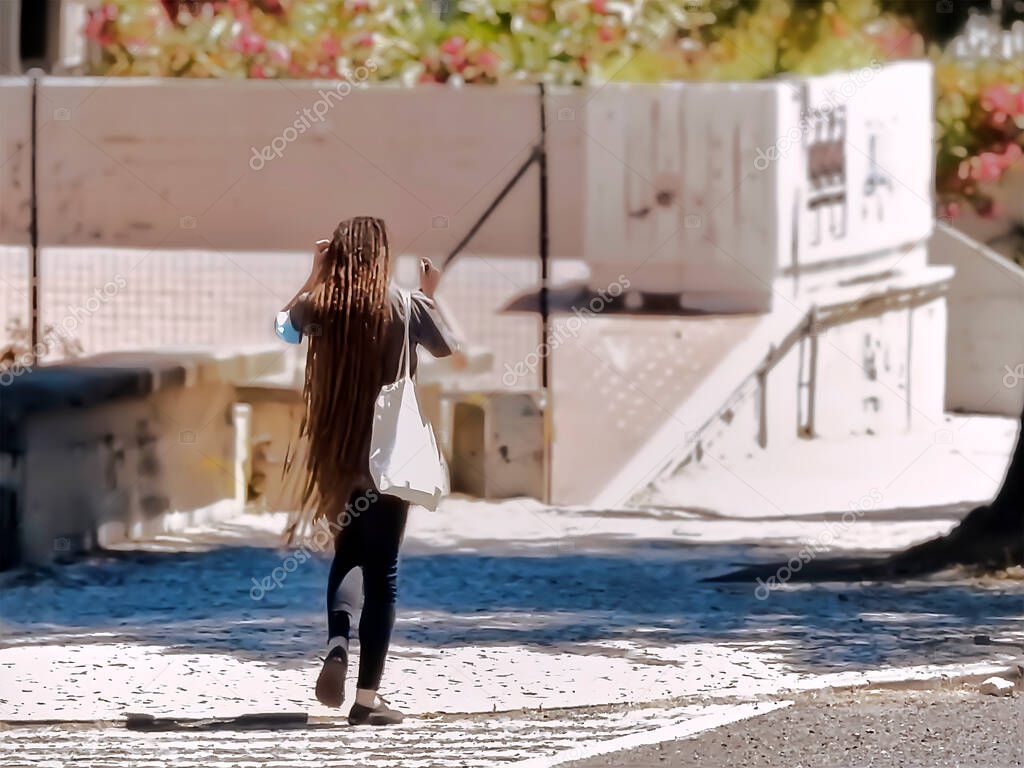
x: 344, y: 364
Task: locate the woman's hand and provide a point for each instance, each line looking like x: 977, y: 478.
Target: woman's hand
x: 430, y: 276
x: 319, y: 262
x: 315, y: 272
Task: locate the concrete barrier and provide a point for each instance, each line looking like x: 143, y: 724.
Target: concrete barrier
x: 710, y: 190
x: 673, y: 181
x: 121, y: 446
x: 985, y: 345
x: 274, y: 165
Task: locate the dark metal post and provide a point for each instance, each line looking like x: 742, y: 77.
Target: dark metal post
x: 545, y: 310
x: 34, y: 223
x: 539, y: 155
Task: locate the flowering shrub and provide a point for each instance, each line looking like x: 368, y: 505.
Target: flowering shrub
x: 979, y: 116
x: 257, y: 39
x: 558, y: 41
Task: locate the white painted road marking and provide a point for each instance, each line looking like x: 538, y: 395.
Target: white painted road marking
x: 719, y: 716
x: 527, y: 739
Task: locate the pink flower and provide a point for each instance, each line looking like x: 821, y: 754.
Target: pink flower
x: 999, y: 98
x: 538, y: 14
x: 258, y: 71
x: 240, y: 10
x: 330, y: 47
x: 488, y: 60
x: 365, y: 40
x: 988, y: 166
x: 453, y: 53
x: 249, y: 43
x: 279, y: 53
x: 951, y: 210
x: 453, y: 45
x: 101, y: 24
x: 1011, y: 154
x: 599, y: 6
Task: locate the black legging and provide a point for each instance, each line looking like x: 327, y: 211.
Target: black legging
x: 370, y: 539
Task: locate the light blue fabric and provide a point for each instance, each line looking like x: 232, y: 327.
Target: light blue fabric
x: 285, y: 330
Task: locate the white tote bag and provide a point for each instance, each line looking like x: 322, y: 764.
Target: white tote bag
x: 404, y: 457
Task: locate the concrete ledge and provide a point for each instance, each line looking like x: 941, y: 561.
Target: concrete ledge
x: 139, y: 440
x: 91, y: 381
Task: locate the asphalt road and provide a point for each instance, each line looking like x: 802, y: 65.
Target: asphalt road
x: 888, y: 729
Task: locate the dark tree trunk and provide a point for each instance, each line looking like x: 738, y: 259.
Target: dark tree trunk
x: 989, y: 538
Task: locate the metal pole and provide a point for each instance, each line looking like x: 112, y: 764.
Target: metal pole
x: 545, y: 310
x: 491, y: 208
x: 34, y: 223
x: 537, y: 155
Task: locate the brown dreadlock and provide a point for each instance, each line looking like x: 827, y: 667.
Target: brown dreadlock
x: 348, y: 317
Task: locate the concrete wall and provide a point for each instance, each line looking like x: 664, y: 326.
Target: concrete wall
x: 122, y: 447
x: 673, y: 197
x: 126, y: 468
x: 881, y: 180
x: 690, y: 194
x: 985, y: 373
x: 882, y: 373
x: 675, y: 172
x: 176, y: 163
x: 15, y: 159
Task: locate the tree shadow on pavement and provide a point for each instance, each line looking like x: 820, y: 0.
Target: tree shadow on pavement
x: 213, y: 601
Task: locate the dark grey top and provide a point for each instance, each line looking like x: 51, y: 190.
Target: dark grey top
x: 427, y: 328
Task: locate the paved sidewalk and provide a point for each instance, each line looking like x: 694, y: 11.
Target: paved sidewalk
x: 583, y: 618
x: 522, y: 629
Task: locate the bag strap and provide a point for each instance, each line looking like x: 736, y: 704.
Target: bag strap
x: 404, y: 361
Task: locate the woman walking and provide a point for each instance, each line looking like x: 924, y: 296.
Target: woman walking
x: 354, y: 319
